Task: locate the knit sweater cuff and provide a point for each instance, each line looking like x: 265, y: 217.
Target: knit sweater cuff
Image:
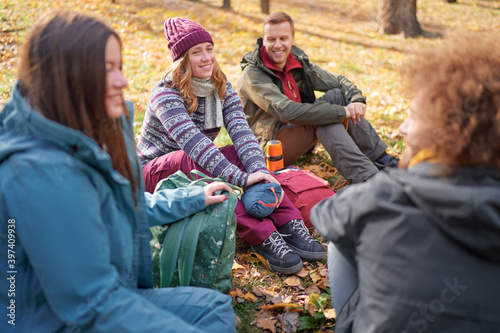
x: 244, y: 180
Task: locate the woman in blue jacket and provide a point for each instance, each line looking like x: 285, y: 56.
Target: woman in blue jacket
x: 74, y: 216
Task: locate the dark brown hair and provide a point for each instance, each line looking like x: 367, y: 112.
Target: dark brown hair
x: 62, y: 74
x: 460, y: 82
x: 181, y: 78
x: 279, y: 17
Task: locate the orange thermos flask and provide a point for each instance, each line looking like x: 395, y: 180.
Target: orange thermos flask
x: 274, y: 155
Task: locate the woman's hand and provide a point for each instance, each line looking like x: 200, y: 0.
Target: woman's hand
x: 211, y: 188
x: 258, y: 177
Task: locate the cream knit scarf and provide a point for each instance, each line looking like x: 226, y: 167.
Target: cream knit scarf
x: 213, y: 104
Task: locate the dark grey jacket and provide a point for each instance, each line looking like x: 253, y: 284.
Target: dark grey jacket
x: 427, y: 248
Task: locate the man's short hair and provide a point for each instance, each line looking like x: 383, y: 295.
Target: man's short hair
x: 279, y: 17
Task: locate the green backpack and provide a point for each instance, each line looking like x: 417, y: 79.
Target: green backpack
x: 199, y: 249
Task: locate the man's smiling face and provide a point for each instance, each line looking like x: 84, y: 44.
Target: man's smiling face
x: 278, y: 40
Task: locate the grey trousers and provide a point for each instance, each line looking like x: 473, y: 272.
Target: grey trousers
x: 352, y: 151
x: 343, y: 275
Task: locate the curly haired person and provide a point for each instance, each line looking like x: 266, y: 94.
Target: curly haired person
x: 417, y: 249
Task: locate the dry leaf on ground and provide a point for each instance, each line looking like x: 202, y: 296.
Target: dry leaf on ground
x: 250, y: 297
x: 258, y: 291
x: 278, y: 306
x: 265, y: 320
x: 261, y: 259
x: 324, y: 283
x: 237, y: 266
x: 330, y: 313
x: 292, y: 281
x: 303, y: 273
x: 289, y: 321
x: 266, y: 324
x: 313, y: 289
x: 315, y: 276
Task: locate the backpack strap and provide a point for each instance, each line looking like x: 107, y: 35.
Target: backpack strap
x: 171, y: 247
x: 205, y: 178
x: 189, y: 245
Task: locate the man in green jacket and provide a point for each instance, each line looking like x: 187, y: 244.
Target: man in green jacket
x: 277, y: 88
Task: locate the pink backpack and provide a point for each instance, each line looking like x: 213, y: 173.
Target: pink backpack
x: 304, y: 189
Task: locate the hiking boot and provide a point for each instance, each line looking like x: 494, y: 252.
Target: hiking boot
x: 278, y: 255
x: 297, y: 237
x: 386, y: 161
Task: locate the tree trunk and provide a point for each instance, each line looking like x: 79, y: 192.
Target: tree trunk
x: 395, y: 16
x: 226, y: 4
x: 264, y: 6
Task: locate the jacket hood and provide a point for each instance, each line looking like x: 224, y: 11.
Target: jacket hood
x: 465, y: 206
x: 22, y: 129
x: 253, y: 57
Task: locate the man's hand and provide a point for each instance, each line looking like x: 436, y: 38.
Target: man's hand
x: 355, y: 111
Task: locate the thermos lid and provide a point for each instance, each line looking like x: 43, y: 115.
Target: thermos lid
x: 274, y: 148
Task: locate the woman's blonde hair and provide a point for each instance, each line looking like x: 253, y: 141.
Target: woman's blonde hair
x: 460, y: 84
x: 181, y: 80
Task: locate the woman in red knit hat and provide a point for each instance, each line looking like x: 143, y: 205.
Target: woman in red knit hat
x: 187, y: 108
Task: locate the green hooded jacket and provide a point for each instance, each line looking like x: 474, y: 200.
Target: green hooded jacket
x: 267, y: 107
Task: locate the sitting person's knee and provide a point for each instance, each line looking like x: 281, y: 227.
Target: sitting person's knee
x: 333, y: 96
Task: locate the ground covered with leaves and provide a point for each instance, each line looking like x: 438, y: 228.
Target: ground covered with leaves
x: 339, y: 35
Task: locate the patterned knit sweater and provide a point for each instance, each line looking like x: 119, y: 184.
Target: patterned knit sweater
x: 167, y: 127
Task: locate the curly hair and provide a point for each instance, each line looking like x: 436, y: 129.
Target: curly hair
x: 181, y: 78
x: 460, y: 82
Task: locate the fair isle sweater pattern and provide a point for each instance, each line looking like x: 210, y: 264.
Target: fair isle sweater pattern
x: 167, y: 127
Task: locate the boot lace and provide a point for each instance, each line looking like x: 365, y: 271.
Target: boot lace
x: 277, y: 244
x: 300, y: 228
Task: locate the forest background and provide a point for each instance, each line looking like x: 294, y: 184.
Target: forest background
x: 339, y: 35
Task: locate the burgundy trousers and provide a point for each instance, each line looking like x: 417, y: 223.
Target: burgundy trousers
x: 251, y: 229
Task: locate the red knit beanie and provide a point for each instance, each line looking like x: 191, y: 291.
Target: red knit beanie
x: 182, y: 34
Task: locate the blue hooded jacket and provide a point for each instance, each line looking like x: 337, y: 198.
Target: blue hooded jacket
x: 79, y: 244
